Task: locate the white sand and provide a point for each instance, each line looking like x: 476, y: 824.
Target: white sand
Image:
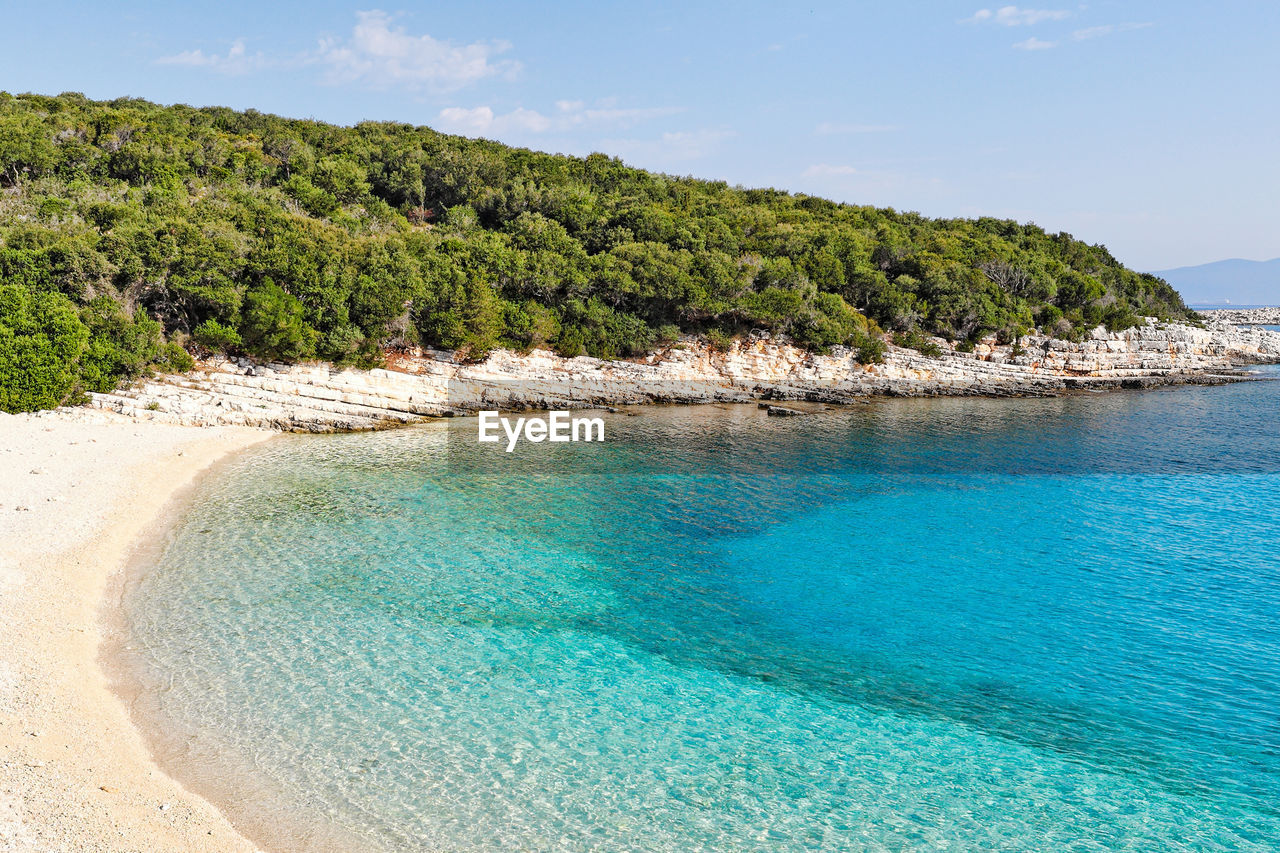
x: 77, y: 489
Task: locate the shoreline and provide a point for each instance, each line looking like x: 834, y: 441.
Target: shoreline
x: 81, y: 765
x: 243, y: 796
x: 174, y: 508
x: 1263, y: 316
x: 76, y: 773
x: 424, y: 384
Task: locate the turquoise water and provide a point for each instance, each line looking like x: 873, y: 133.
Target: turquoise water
x: 906, y: 625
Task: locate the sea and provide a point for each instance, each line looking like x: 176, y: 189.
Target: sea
x: 908, y: 624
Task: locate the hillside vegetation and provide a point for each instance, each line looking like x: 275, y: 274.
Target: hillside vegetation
x: 133, y: 234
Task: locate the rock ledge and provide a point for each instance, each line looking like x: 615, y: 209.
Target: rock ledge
x: 322, y: 398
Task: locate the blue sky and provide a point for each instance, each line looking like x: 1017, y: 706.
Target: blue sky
x: 1148, y: 126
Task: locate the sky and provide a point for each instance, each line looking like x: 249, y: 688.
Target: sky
x: 1150, y: 127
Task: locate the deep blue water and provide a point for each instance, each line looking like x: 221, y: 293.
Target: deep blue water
x: 947, y: 624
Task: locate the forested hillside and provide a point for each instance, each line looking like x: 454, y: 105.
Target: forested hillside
x: 132, y: 235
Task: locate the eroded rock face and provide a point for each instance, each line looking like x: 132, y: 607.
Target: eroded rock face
x: 321, y: 398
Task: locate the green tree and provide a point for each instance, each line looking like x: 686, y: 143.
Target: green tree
x: 120, y: 346
x: 273, y: 324
x: 26, y: 148
x: 345, y: 180
x: 41, y: 340
x: 292, y: 238
x: 215, y: 337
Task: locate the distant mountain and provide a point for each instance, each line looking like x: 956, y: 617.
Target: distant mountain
x: 1236, y: 280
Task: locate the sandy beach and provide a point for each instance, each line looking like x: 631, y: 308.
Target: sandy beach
x: 77, y: 490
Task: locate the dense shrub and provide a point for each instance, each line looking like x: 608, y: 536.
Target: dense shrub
x: 274, y: 324
x: 41, y: 341
x: 287, y: 239
x: 120, y: 346
x: 215, y: 337
x: 921, y: 343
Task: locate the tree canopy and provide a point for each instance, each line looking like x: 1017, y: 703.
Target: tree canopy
x: 130, y: 230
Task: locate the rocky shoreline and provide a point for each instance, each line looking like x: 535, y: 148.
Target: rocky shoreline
x: 413, y: 386
x: 1244, y: 316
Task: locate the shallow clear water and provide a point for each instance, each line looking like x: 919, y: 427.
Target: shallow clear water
x: 935, y: 625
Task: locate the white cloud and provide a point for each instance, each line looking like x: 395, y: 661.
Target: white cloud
x: 376, y: 54
x: 628, y: 116
x: 383, y: 57
x: 830, y: 128
x: 1093, y: 32
x: 692, y: 144
x: 568, y: 115
x: 826, y: 170
x: 236, y: 60
x: 1106, y: 30
x: 482, y: 121
x: 1034, y: 43
x: 670, y: 148
x: 1013, y: 16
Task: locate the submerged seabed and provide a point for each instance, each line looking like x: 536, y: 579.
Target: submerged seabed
x: 947, y: 624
